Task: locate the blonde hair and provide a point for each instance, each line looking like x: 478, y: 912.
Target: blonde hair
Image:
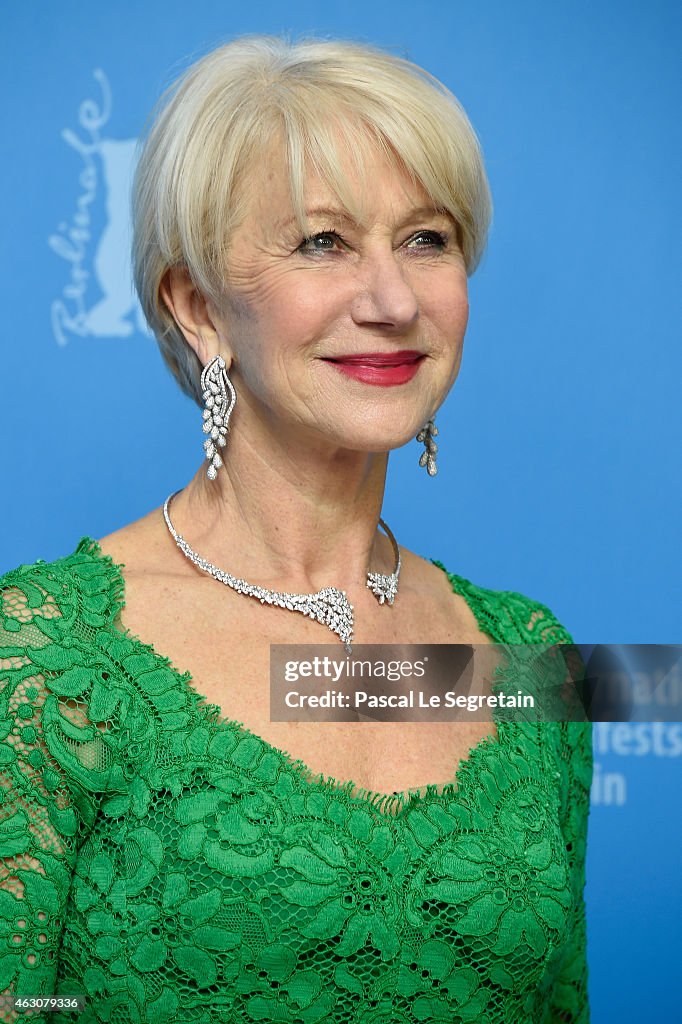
x: 223, y: 114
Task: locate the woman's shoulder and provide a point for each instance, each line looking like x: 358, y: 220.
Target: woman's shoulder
x: 85, y: 552
x: 90, y: 559
x: 509, y: 615
x: 84, y: 582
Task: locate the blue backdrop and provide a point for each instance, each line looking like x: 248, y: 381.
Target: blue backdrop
x: 558, y: 442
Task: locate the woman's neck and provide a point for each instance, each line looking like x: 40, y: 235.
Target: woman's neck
x: 292, y: 518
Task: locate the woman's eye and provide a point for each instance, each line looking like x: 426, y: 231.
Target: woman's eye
x: 431, y: 238
x: 323, y: 242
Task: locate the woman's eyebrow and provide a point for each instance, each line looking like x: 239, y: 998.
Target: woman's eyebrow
x: 339, y: 214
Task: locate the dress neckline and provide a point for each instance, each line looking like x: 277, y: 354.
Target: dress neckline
x: 387, y: 805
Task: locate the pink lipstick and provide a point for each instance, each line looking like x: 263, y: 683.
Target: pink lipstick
x: 385, y: 369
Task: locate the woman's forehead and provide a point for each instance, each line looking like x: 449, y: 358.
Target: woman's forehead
x: 380, y: 183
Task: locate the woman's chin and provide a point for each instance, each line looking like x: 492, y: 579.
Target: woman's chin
x: 376, y: 442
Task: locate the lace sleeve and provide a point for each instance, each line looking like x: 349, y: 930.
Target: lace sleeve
x: 44, y: 812
x: 569, y: 998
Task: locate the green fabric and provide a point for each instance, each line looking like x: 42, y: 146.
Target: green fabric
x: 174, y: 867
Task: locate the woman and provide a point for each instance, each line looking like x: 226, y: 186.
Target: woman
x: 305, y: 219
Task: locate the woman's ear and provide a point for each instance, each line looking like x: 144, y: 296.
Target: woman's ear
x: 193, y: 313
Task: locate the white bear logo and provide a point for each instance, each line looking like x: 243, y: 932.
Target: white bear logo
x: 100, y: 266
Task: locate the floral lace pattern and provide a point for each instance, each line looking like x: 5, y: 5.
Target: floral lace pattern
x: 175, y: 868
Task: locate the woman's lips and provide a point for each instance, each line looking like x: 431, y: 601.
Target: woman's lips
x: 384, y: 369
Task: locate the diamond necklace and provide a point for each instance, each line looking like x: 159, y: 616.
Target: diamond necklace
x: 329, y: 606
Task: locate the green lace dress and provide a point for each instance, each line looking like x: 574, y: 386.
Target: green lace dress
x: 174, y: 868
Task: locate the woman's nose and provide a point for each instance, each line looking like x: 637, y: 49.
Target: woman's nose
x: 385, y: 296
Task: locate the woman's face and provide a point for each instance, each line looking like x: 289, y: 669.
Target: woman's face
x: 299, y: 312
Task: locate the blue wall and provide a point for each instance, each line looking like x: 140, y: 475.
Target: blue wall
x: 557, y: 443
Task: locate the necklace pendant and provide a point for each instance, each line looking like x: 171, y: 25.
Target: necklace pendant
x: 332, y: 608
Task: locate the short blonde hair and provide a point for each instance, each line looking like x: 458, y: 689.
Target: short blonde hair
x: 222, y: 115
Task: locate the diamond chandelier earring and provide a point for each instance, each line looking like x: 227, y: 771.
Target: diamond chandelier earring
x: 219, y: 401
x: 428, y: 456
